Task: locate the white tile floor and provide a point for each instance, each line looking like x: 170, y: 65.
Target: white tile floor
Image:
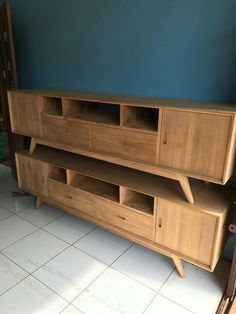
x: 51, y: 262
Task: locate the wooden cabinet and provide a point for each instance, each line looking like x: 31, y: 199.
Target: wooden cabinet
x: 144, y: 208
x: 195, y: 142
x: 114, y: 161
x: 190, y: 232
x: 159, y: 136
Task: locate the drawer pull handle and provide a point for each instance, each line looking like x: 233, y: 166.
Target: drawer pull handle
x: 165, y: 138
x: 123, y: 218
x: 159, y: 222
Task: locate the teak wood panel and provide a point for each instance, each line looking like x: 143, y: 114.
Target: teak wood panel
x: 113, y: 213
x: 24, y: 114
x: 189, y: 232
x: 32, y: 174
x: 127, y: 144
x: 195, y: 142
x: 61, y: 130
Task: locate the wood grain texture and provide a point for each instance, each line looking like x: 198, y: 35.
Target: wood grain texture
x: 103, y: 209
x: 32, y: 175
x: 24, y: 114
x: 195, y: 142
x: 186, y: 231
x: 124, y: 143
x: 71, y: 132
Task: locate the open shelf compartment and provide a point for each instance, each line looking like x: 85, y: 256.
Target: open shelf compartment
x: 140, y: 118
x: 137, y: 200
x: 57, y: 174
x: 52, y: 106
x: 92, y: 111
x: 94, y: 186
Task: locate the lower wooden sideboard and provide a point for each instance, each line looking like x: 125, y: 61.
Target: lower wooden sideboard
x: 140, y: 206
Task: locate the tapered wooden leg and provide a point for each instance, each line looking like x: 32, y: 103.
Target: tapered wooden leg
x: 184, y: 182
x: 33, y: 144
x: 178, y: 263
x: 37, y: 202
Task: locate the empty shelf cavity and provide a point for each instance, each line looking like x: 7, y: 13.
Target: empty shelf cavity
x: 94, y: 186
x: 136, y: 200
x: 140, y: 118
x: 93, y: 112
x: 52, y: 106
x: 57, y: 174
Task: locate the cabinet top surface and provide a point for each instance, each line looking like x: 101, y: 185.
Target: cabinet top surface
x: 135, y: 101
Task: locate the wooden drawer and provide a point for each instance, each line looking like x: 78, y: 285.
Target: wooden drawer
x: 111, y: 213
x: 61, y: 130
x: 128, y: 144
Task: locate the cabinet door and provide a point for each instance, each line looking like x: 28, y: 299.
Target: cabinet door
x: 195, y: 142
x: 32, y: 174
x: 186, y: 231
x: 24, y: 114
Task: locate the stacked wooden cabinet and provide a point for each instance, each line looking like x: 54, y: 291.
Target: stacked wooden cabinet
x: 124, y: 164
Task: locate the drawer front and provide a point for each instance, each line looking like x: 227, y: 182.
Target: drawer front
x: 127, y: 144
x: 61, y: 130
x: 107, y: 211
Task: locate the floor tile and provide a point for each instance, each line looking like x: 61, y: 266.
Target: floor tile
x: 103, y: 245
x: 31, y: 297
x: 6, y: 189
x: 5, y: 172
x: 223, y: 268
x: 4, y: 213
x: 41, y: 216
x: 114, y: 292
x: 71, y: 310
x: 162, y: 305
x: 13, y: 229
x: 70, y: 272
x: 17, y: 204
x: 34, y: 250
x: 144, y: 265
x: 199, y: 292
x: 69, y: 228
x: 10, y: 274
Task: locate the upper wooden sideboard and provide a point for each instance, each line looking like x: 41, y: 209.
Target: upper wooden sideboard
x: 150, y: 134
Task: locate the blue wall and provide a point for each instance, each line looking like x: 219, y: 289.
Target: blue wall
x: 165, y: 48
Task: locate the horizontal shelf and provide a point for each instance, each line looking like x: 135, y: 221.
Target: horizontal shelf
x: 99, y: 117
x: 94, y: 186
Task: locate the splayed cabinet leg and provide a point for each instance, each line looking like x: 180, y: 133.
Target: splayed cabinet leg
x: 184, y: 182
x: 178, y: 263
x: 37, y: 202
